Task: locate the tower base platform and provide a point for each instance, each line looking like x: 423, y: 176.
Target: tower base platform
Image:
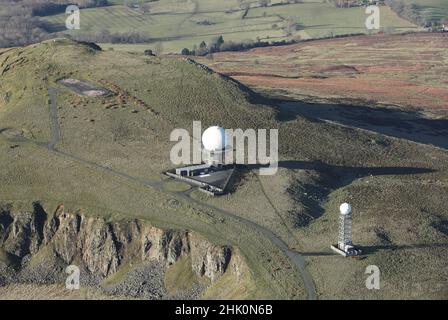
x: 349, y: 253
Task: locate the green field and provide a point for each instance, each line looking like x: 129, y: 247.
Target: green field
x: 173, y: 25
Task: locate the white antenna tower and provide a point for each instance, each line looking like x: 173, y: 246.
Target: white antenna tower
x: 345, y: 245
x: 345, y: 226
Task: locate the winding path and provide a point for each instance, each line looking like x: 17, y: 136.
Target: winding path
x: 294, y: 256
x: 54, y: 124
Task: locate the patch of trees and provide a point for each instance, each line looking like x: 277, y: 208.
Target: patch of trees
x: 46, y: 8
x: 116, y: 37
x: 218, y: 44
x: 411, y: 12
x: 354, y: 3
x: 20, y: 24
x: 346, y: 3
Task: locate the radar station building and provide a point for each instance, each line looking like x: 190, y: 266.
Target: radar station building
x: 214, y: 176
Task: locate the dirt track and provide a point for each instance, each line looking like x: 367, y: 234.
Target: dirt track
x: 294, y: 256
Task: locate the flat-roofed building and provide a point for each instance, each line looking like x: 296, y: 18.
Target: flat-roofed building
x: 192, y: 171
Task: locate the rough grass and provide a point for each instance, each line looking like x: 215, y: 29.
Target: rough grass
x: 180, y: 276
x: 5, y: 258
x: 230, y: 287
x: 405, y: 70
x: 117, y: 277
x: 50, y: 292
x: 83, y: 181
x: 170, y: 93
x: 176, y: 186
x: 401, y: 208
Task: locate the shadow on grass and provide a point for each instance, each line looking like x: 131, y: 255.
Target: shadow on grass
x: 311, y: 196
x: 368, y: 250
x: 376, y: 248
x: 358, y: 171
x: 405, y: 124
x: 319, y: 254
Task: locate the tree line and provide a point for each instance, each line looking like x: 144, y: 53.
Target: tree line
x: 20, y: 23
x: 218, y: 44
x: 410, y: 11
x: 116, y: 37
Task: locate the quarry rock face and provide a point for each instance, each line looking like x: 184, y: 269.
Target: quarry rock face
x: 208, y: 260
x: 102, y: 247
x: 166, y: 246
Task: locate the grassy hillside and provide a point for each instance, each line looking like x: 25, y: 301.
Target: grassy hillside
x: 183, y: 24
x: 112, y: 150
x: 50, y: 292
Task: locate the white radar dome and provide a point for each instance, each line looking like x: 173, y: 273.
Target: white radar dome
x: 345, y: 208
x: 214, y: 139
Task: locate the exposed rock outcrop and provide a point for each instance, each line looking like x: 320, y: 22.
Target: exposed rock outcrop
x: 208, y: 260
x: 102, y: 247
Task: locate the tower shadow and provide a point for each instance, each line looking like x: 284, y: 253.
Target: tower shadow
x: 376, y: 248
